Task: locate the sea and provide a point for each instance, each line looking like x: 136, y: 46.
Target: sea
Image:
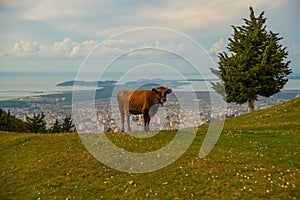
x: 23, y: 84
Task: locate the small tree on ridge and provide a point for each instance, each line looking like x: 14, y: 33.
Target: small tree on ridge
x: 68, y: 126
x: 256, y: 65
x: 37, y: 123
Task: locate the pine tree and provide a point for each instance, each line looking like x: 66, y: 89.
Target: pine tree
x: 256, y: 65
x: 68, y: 126
x: 217, y: 86
x: 2, y: 120
x: 10, y: 123
x: 57, y: 127
x: 37, y: 124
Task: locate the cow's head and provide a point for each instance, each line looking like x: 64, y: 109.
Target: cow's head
x: 161, y: 93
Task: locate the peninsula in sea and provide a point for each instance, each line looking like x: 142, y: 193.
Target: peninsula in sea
x: 86, y: 83
x: 141, y: 83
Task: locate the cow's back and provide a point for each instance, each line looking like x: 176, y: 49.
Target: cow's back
x: 138, y: 100
x: 123, y: 99
x: 134, y: 100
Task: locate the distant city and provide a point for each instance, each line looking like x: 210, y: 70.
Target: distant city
x: 174, y: 114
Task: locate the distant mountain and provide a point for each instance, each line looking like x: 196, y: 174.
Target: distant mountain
x: 294, y: 76
x: 151, y: 83
x: 141, y: 83
x: 87, y: 83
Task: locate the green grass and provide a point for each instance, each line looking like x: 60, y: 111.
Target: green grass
x: 256, y: 157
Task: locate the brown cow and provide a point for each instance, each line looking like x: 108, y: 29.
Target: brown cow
x: 138, y: 102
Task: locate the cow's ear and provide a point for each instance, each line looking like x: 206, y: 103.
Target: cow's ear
x: 168, y: 91
x: 155, y: 91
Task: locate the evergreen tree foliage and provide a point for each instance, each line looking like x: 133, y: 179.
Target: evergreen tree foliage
x: 34, y: 124
x: 10, y: 123
x: 256, y: 65
x: 37, y: 123
x: 217, y: 86
x: 68, y: 126
x: 57, y: 127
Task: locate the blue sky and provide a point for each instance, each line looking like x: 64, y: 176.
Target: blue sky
x: 56, y: 36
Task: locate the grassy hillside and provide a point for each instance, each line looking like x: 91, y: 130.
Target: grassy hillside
x: 256, y: 157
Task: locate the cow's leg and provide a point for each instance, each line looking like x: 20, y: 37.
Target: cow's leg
x: 146, y: 120
x: 128, y: 121
x: 122, y: 119
x: 145, y: 123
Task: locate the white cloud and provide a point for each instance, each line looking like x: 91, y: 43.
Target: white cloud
x: 25, y: 48
x: 64, y: 48
x: 217, y: 47
x: 90, y: 22
x: 157, y: 49
x: 101, y: 19
x: 190, y: 15
x: 68, y: 48
x: 294, y: 49
x: 51, y: 9
x: 92, y: 19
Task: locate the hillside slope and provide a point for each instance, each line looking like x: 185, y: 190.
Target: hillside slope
x: 256, y: 157
x: 11, y: 123
x: 284, y: 117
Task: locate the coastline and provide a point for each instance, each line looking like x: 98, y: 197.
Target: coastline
x: 67, y: 95
x: 177, y: 85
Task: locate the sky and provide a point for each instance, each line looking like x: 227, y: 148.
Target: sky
x: 57, y: 36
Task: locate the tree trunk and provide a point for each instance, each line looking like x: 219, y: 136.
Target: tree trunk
x: 251, y: 106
